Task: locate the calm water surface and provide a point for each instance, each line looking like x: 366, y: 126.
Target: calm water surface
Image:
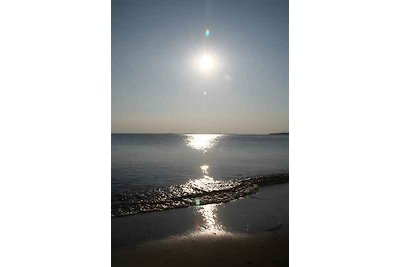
x: 145, y: 161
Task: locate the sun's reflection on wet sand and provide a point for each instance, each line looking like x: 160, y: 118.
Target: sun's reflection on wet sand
x: 202, y: 142
x: 209, y: 222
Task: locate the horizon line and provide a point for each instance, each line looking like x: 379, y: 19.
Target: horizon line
x: 201, y: 133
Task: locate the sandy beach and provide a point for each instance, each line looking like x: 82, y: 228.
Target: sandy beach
x: 265, y: 249
x: 253, y: 231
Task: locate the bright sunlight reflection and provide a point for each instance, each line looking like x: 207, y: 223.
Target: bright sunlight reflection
x: 210, y: 220
x: 202, y: 142
x: 204, y: 169
x: 208, y: 223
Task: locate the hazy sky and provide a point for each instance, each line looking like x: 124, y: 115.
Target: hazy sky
x: 161, y: 85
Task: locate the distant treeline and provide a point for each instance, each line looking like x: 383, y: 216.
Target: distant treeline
x: 279, y: 133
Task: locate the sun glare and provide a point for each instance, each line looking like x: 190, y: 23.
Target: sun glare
x: 206, y: 63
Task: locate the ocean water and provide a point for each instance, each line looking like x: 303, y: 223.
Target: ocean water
x: 162, y: 171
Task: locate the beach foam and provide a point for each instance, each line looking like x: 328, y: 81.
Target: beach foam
x: 195, y: 192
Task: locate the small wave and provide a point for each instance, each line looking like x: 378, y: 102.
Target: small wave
x: 195, y: 192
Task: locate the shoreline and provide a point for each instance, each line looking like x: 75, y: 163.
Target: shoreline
x: 186, y: 195
x: 252, y: 231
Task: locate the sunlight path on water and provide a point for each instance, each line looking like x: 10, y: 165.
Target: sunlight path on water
x: 202, y: 142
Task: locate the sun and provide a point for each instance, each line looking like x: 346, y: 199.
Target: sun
x: 206, y: 63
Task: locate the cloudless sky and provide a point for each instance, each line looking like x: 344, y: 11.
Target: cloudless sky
x: 157, y: 87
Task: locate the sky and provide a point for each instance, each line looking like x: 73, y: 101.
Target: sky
x: 169, y: 77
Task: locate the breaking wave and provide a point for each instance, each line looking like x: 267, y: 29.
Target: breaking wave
x: 195, y: 192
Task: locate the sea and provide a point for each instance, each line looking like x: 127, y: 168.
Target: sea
x: 153, y: 172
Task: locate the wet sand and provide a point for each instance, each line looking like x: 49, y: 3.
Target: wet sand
x: 247, y: 232
x: 266, y: 249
